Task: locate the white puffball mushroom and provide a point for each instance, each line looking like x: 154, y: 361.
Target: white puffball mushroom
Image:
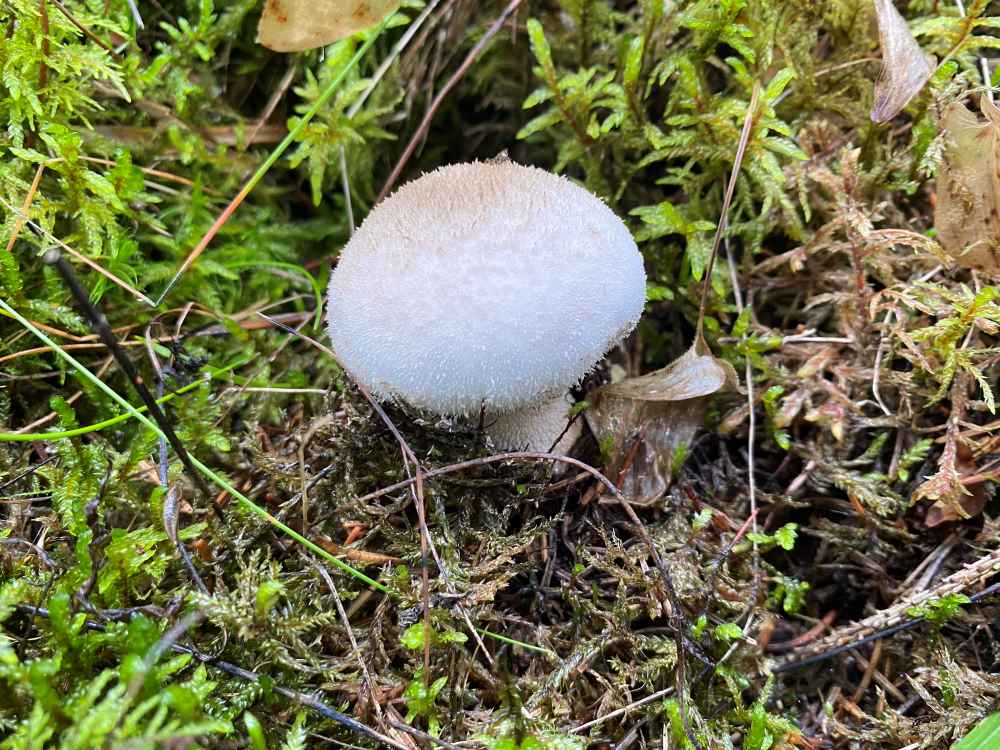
x: 486, y: 285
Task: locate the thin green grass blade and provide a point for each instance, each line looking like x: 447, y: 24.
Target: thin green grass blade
x: 23, y: 437
x: 513, y: 642
x: 211, y: 475
x: 986, y: 736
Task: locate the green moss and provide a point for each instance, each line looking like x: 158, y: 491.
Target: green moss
x: 129, y: 156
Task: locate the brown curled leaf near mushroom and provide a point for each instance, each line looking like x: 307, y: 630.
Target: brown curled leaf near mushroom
x: 298, y: 25
x: 967, y: 211
x: 648, y: 420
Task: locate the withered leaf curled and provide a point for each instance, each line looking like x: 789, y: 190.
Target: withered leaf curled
x: 647, y: 418
x: 297, y: 25
x: 967, y: 212
x: 905, y: 67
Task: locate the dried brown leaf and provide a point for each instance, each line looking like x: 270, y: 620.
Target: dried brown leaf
x: 690, y: 376
x: 363, y: 557
x: 905, y: 67
x: 648, y: 417
x: 297, y: 25
x: 953, y: 501
x: 967, y: 212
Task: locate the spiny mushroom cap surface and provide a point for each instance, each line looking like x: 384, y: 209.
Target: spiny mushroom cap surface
x: 487, y: 282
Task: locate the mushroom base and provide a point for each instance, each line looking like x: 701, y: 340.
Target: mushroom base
x: 536, y: 427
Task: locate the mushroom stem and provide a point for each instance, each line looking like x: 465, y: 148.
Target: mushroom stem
x: 536, y: 427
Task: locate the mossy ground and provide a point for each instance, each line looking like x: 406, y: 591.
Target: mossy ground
x: 873, y: 362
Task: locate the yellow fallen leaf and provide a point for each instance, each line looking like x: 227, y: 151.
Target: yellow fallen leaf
x: 967, y: 212
x: 297, y: 25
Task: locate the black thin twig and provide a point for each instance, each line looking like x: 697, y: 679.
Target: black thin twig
x: 27, y: 472
x: 100, y: 323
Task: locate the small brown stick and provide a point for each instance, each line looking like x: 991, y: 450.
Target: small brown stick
x: 807, y: 637
x: 169, y: 176
x: 564, y: 483
x: 42, y: 349
x: 701, y: 347
x: 80, y: 257
x: 748, y: 121
x: 421, y: 130
x: 880, y: 678
x: 60, y: 333
x: 84, y: 30
x: 870, y: 670
x: 272, y: 103
x: 19, y: 219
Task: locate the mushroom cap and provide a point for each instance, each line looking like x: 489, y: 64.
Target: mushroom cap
x: 483, y: 283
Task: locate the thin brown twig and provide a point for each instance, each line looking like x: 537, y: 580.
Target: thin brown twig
x: 807, y: 637
x: 170, y: 176
x: 28, y: 199
x: 706, y: 284
x: 870, y: 669
x: 272, y: 103
x: 84, y: 30
x: 43, y: 349
x: 457, y: 76
x: 69, y: 401
x: 880, y: 678
x: 79, y: 256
